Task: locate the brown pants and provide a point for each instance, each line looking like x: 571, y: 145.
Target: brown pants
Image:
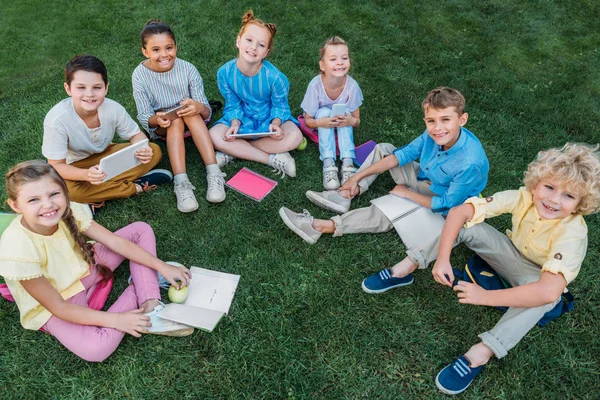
x: 119, y: 187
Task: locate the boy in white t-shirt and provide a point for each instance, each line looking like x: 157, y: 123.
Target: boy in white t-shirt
x: 78, y: 133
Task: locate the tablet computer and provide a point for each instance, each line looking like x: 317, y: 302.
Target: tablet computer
x: 338, y: 109
x: 171, y: 114
x: 121, y: 161
x: 254, y: 135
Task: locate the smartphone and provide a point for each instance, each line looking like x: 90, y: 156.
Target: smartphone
x: 171, y: 114
x: 338, y: 109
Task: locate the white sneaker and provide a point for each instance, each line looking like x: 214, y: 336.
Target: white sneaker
x: 161, y: 326
x: 215, y: 191
x: 186, y: 201
x: 347, y: 173
x: 284, y: 163
x: 330, y: 178
x: 223, y: 159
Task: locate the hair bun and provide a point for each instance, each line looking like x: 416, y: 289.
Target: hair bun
x: 154, y: 22
x: 247, y: 17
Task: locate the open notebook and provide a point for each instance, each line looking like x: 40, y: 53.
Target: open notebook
x: 210, y: 294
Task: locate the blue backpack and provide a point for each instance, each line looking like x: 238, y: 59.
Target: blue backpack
x: 478, y: 271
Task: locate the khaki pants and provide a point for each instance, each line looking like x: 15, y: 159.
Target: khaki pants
x: 500, y: 253
x: 117, y: 188
x: 371, y: 219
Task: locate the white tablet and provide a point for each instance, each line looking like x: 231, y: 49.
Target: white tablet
x: 254, y: 135
x: 121, y: 161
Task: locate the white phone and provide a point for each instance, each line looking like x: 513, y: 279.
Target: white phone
x: 338, y: 109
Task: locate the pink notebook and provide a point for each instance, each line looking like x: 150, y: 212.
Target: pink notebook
x: 251, y: 184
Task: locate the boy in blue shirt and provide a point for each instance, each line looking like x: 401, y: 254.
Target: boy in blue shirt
x: 452, y: 167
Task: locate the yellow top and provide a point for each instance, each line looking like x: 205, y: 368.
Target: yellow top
x: 557, y: 245
x: 27, y: 255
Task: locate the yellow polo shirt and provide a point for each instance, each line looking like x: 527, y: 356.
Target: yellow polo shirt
x: 27, y: 255
x: 557, y: 245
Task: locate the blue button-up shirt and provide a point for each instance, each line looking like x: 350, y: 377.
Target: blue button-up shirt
x: 455, y: 174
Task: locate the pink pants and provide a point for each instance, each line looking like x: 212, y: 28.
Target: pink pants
x: 96, y: 343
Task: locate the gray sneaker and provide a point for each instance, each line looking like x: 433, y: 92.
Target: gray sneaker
x: 347, y: 173
x: 301, y: 224
x: 186, y: 200
x: 330, y: 178
x: 215, y: 191
x: 283, y: 163
x: 223, y: 159
x: 329, y: 200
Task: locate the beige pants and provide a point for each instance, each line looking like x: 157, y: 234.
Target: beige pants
x: 371, y: 219
x: 119, y: 187
x: 500, y: 253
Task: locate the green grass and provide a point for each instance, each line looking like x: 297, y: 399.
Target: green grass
x: 300, y: 326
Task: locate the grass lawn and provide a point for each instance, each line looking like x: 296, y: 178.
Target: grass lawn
x: 300, y: 326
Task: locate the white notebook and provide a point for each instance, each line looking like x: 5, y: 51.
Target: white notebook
x: 123, y: 160
x: 415, y: 224
x: 210, y: 294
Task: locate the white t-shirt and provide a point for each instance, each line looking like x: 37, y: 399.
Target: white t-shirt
x: 316, y: 97
x: 66, y: 136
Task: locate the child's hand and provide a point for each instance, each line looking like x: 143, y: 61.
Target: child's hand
x: 162, y: 122
x: 470, y: 293
x: 233, y: 129
x: 95, y: 176
x: 177, y: 276
x: 132, y: 322
x: 442, y: 272
x: 351, y: 186
x: 327, y: 122
x: 144, y: 155
x: 192, y: 107
x: 345, y: 120
x: 401, y: 191
x: 277, y: 131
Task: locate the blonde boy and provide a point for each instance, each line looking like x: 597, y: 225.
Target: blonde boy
x: 539, y: 258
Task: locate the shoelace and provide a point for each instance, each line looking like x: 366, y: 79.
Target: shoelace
x: 147, y: 187
x: 305, y: 216
x: 216, y: 182
x: 278, y: 166
x: 185, y: 190
x: 226, y: 159
x: 347, y: 173
x: 331, y: 174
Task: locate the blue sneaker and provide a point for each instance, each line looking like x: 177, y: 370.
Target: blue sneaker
x: 153, y: 178
x: 384, y: 281
x: 456, y: 377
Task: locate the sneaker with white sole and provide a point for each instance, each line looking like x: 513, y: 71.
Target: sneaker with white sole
x: 347, y: 173
x: 186, y: 200
x: 331, y: 181
x: 283, y: 163
x: 223, y: 159
x: 155, y: 177
x: 161, y: 326
x: 329, y: 200
x: 300, y: 224
x: 215, y: 191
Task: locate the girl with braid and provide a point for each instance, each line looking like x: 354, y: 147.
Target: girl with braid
x: 52, y: 270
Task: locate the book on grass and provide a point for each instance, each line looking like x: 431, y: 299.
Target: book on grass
x: 209, y: 298
x: 362, y: 152
x: 251, y: 184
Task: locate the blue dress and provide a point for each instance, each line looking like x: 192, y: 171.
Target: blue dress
x: 254, y: 100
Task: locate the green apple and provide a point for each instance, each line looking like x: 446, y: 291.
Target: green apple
x: 178, y: 295
x: 302, y: 144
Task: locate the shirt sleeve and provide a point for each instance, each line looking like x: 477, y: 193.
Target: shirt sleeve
x: 459, y: 189
x: 233, y: 104
x: 310, y: 103
x: 411, y: 151
x: 142, y: 102
x: 83, y: 215
x: 492, y: 206
x: 197, y: 88
x: 279, y: 100
x: 125, y: 127
x: 55, y: 143
x: 567, y: 251
x: 355, y: 99
x: 19, y: 259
